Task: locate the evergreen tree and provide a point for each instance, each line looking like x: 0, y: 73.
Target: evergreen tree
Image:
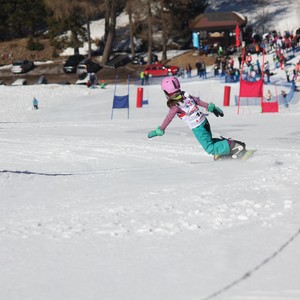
x: 21, y: 18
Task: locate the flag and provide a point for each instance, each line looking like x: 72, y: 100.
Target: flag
x: 237, y: 36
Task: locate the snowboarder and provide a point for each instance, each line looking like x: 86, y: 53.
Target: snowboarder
x: 187, y: 108
x: 35, y: 103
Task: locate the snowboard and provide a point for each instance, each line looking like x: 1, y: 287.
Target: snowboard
x: 243, y: 156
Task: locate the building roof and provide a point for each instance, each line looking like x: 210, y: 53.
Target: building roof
x: 217, y: 20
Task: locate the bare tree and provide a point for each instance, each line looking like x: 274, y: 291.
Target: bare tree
x: 75, y: 13
x: 110, y: 28
x: 89, y: 8
x: 162, y: 15
x: 262, y: 14
x: 164, y: 19
x: 130, y: 5
x: 150, y: 31
x: 143, y: 13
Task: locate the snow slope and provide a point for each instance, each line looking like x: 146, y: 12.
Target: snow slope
x: 280, y: 15
x: 90, y: 208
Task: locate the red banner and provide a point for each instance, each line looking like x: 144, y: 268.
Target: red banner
x: 251, y: 89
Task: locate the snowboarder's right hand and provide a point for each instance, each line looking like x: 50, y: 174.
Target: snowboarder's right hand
x: 156, y: 132
x: 216, y: 110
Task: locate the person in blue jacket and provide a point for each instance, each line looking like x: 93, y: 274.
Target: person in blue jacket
x: 35, y: 103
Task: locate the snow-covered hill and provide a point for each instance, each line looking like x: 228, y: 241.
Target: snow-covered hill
x: 280, y: 15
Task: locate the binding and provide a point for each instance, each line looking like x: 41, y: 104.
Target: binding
x: 237, y: 148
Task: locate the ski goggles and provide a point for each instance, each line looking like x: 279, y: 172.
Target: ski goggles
x: 176, y: 96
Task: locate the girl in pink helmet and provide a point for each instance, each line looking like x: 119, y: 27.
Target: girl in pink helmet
x: 186, y: 107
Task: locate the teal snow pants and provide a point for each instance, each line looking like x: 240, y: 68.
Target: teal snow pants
x: 210, y: 145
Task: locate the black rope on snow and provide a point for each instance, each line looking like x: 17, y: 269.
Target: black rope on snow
x: 35, y: 173
x: 256, y: 268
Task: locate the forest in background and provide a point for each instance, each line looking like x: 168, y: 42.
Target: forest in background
x: 50, y: 19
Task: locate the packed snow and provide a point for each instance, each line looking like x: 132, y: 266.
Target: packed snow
x: 91, y: 208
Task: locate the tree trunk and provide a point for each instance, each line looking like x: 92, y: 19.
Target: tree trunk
x: 75, y: 41
x: 106, y: 19
x: 111, y: 32
x: 89, y: 39
x: 164, y: 37
x: 131, y: 27
x: 150, y: 39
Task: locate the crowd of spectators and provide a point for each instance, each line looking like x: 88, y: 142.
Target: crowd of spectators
x: 249, y: 61
x: 283, y: 48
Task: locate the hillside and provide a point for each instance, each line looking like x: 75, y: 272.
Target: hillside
x: 51, y: 66
x: 17, y: 49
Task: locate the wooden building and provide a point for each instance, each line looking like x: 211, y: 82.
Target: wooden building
x: 218, y: 27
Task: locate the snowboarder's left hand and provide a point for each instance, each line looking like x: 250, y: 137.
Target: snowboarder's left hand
x: 156, y: 132
x: 216, y: 110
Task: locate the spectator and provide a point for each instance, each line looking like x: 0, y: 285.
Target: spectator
x: 294, y: 44
x: 297, y: 69
x: 203, y: 70
x: 248, y: 59
x: 267, y: 71
x: 237, y: 75
x: 287, y: 73
x: 279, y: 42
x: 276, y: 61
x: 189, y: 71
x: 181, y: 72
x: 35, y: 103
x: 142, y: 77
x: 220, y: 51
x: 92, y: 82
x: 258, y: 67
x: 198, y: 67
x: 269, y: 96
x: 282, y: 61
x: 240, y: 60
x: 216, y: 69
x: 257, y: 49
x: 103, y: 84
x: 146, y: 78
x: 284, y: 97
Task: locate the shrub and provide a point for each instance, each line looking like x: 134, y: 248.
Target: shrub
x: 34, y: 45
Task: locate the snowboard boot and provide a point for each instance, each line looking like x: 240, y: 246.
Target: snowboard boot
x: 237, y: 148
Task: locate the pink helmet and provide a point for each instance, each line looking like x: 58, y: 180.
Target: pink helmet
x: 170, y: 85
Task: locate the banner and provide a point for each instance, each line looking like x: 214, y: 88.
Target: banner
x: 196, y: 40
x: 251, y: 89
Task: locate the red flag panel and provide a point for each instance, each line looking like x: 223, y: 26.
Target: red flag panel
x: 251, y: 89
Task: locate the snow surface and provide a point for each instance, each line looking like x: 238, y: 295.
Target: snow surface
x: 280, y: 15
x: 91, y: 208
